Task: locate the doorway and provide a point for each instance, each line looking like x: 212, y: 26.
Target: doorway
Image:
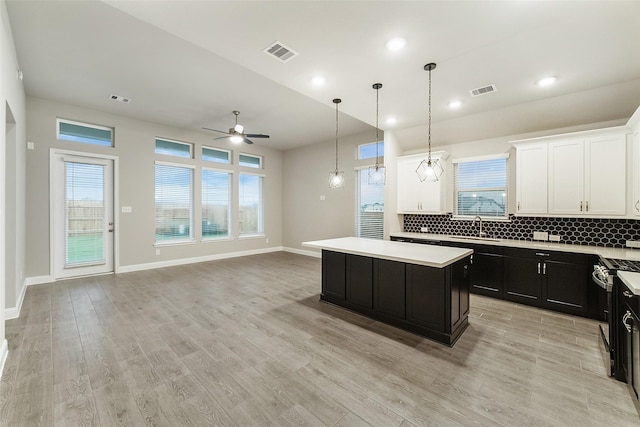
x: 82, y: 226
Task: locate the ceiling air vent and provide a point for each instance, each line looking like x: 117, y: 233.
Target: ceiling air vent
x: 483, y: 90
x: 120, y: 98
x: 281, y: 52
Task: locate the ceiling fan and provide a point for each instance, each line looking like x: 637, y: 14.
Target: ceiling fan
x: 236, y: 134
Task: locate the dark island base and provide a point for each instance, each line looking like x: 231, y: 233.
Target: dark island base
x: 428, y: 301
x: 441, y: 337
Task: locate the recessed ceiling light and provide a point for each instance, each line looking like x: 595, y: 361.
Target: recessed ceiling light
x: 392, y: 121
x: 396, y: 44
x: 547, y: 81
x: 318, y: 81
x: 455, y: 104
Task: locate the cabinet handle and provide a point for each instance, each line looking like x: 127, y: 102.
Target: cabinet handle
x: 626, y: 317
x: 580, y: 206
x: 538, y: 268
x: 544, y: 268
x: 519, y: 205
x: 587, y: 203
x: 638, y: 203
x: 541, y: 254
x: 628, y: 294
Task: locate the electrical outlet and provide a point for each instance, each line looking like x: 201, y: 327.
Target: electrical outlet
x: 554, y: 238
x: 126, y: 209
x: 424, y: 229
x: 157, y: 251
x: 633, y: 244
x: 540, y: 235
x: 266, y: 240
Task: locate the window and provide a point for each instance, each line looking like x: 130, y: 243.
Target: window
x: 368, y: 151
x: 250, y: 161
x: 174, y: 203
x: 83, y: 132
x: 173, y: 148
x: 481, y: 186
x: 216, y: 155
x: 369, y: 207
x: 250, y: 204
x: 216, y: 201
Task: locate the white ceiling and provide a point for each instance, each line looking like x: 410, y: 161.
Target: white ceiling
x: 188, y: 64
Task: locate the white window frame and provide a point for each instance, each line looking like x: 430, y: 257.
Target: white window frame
x: 261, y: 219
x: 191, y: 238
x: 188, y: 144
x: 455, y: 163
x: 255, y: 156
x: 358, y: 171
x: 222, y: 150
x: 380, y: 153
x: 229, y: 236
x: 62, y: 137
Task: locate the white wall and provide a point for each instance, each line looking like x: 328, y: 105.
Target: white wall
x: 134, y: 146
x: 12, y: 184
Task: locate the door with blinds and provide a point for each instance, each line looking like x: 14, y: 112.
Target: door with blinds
x: 82, y: 217
x: 369, y: 207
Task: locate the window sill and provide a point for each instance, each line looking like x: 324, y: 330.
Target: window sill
x: 252, y: 236
x: 175, y: 243
x: 214, y: 240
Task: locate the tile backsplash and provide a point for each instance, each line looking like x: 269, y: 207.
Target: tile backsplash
x: 578, y: 231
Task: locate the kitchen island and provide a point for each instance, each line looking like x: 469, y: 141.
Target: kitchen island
x: 420, y: 288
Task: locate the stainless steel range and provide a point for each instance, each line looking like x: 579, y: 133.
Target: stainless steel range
x: 603, y: 275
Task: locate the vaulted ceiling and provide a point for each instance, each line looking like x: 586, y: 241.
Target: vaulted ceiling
x: 188, y: 64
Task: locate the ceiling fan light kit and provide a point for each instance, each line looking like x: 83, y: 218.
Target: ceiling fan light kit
x: 236, y: 133
x: 336, y: 177
x: 377, y: 173
x: 428, y: 169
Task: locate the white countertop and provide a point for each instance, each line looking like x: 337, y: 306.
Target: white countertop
x: 618, y: 253
x: 428, y: 255
x: 632, y: 280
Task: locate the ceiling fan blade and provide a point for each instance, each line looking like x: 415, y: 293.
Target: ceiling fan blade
x: 221, y: 137
x: 216, y: 130
x: 256, y: 135
x: 248, y: 141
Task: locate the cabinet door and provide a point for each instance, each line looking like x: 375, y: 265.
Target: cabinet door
x: 486, y: 274
x: 566, y: 177
x: 334, y: 265
x: 389, y: 288
x: 426, y: 297
x: 636, y: 174
x: 531, y: 179
x: 522, y: 280
x: 409, y: 189
x: 360, y: 280
x: 606, y: 175
x: 431, y: 196
x: 565, y: 286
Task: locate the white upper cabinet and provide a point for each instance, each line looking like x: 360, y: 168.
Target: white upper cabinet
x: 531, y: 179
x: 635, y: 202
x: 566, y: 177
x: 420, y: 197
x: 581, y: 174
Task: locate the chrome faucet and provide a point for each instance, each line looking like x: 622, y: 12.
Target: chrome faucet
x: 480, y: 232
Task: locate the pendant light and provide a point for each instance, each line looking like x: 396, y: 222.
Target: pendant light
x: 429, y: 170
x: 377, y: 173
x: 336, y: 178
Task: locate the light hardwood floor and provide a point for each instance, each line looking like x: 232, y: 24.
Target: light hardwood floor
x: 246, y: 342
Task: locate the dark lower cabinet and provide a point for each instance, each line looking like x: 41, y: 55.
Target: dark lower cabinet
x: 334, y: 276
x: 389, y: 288
x: 426, y: 299
x: 565, y: 286
x: 485, y: 275
x: 360, y: 281
x: 522, y: 280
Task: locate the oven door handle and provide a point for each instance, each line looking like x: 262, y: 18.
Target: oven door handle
x: 626, y: 317
x: 599, y: 282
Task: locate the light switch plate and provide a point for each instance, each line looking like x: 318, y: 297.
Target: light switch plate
x: 126, y: 209
x: 424, y: 229
x: 554, y: 238
x: 540, y: 235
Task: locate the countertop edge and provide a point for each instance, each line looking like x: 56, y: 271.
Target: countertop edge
x: 632, y: 280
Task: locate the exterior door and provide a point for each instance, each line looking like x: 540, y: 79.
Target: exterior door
x: 82, y: 227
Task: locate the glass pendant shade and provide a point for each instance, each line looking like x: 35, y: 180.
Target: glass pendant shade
x: 377, y: 174
x: 336, y: 179
x: 429, y: 170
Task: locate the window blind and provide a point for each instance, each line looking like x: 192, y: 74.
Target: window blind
x: 215, y: 155
x: 80, y: 132
x: 173, y: 148
x: 481, y: 186
x: 250, y: 161
x: 250, y: 204
x: 174, y: 203
x: 369, y: 207
x: 216, y: 200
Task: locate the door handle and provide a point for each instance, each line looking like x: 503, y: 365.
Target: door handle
x: 519, y: 206
x: 544, y: 268
x: 587, y: 206
x: 626, y: 317
x: 538, y: 268
x: 580, y: 206
x: 637, y: 207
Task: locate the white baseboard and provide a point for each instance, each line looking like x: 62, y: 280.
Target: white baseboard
x: 38, y: 280
x: 183, y: 261
x: 14, y: 312
x: 303, y: 252
x: 4, y: 352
